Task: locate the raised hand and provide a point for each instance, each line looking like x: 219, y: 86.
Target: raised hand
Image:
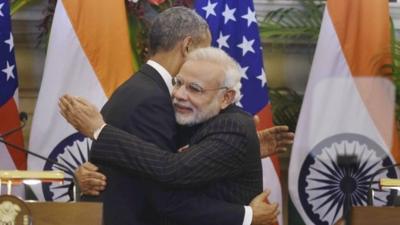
x: 81, y: 114
x: 274, y: 140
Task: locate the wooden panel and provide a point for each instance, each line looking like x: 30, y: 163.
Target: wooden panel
x: 375, y: 216
x: 55, y: 213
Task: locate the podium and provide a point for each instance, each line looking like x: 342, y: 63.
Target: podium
x: 13, y: 210
x: 57, y: 213
x: 375, y: 216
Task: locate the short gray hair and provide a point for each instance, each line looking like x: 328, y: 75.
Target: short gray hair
x: 231, y: 68
x: 173, y: 25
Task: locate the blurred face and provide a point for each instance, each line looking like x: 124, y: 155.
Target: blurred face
x: 198, y: 95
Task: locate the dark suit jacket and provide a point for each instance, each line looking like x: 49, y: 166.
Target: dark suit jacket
x: 223, y: 161
x: 141, y: 106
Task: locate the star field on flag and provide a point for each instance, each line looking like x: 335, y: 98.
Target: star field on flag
x: 234, y: 29
x: 8, y: 72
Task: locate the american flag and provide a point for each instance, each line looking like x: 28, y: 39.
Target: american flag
x: 9, y: 119
x: 234, y: 29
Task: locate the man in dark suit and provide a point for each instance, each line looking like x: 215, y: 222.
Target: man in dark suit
x: 223, y: 158
x: 141, y: 106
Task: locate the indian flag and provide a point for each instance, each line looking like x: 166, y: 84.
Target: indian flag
x: 346, y: 130
x: 88, y: 55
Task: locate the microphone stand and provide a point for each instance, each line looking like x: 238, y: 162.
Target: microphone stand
x: 76, y: 188
x: 23, y: 117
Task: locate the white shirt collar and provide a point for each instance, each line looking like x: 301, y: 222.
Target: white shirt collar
x: 164, y: 74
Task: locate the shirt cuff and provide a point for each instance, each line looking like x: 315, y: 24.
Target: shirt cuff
x: 98, y: 131
x: 248, y: 215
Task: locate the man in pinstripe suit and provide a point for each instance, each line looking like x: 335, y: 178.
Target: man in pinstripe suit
x: 222, y: 160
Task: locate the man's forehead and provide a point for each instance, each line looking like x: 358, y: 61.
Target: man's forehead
x: 201, y: 70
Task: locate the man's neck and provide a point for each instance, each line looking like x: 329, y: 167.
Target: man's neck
x: 169, y: 61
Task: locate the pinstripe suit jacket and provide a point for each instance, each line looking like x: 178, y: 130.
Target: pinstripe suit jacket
x: 223, y: 160
x: 142, y: 106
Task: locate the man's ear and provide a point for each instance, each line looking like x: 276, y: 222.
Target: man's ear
x: 186, y: 44
x: 228, y: 98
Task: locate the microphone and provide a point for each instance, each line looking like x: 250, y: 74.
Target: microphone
x: 63, y: 167
x: 23, y: 117
x: 370, y: 197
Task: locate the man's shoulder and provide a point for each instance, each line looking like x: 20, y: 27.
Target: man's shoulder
x: 234, y: 114
x: 142, y: 79
x: 232, y: 119
x: 141, y: 86
x: 139, y: 92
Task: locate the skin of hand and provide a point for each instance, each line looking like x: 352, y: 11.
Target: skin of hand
x: 274, y: 140
x: 263, y: 212
x: 81, y: 114
x: 91, y: 182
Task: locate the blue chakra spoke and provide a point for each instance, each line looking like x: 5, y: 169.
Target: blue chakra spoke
x: 335, y: 166
x: 335, y: 170
x: 357, y: 198
x: 364, y: 164
x: 339, y: 206
x: 62, y: 186
x: 380, y: 199
x: 322, y: 188
x: 77, y: 162
x: 329, y: 199
x: 340, y: 201
x: 363, y: 185
x: 368, y: 170
x: 360, y: 166
x: 327, y: 193
x: 364, y: 179
x: 62, y: 195
x: 62, y: 169
x: 72, y: 167
x: 360, y: 198
x: 325, y: 181
x: 367, y: 180
x: 333, y: 203
x: 81, y: 155
x: 361, y: 191
x: 87, y: 147
x: 328, y: 175
x: 70, y: 173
